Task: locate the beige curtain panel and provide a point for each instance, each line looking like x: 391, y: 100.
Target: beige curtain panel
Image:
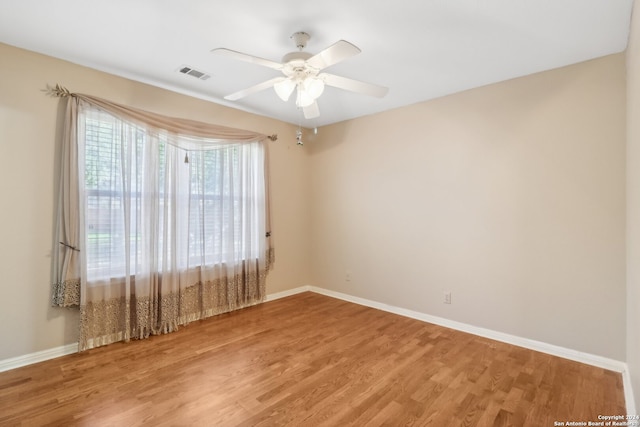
x: 161, y: 221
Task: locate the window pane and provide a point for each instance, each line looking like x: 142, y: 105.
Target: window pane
x: 139, y: 189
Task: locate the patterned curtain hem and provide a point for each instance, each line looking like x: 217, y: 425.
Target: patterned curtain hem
x: 66, y: 293
x: 106, y: 322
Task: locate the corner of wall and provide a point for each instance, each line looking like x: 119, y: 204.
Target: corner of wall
x: 633, y: 207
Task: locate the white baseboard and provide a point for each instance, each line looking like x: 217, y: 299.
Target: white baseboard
x: 578, y: 356
x: 40, y: 356
x: 554, y: 350
x: 287, y: 293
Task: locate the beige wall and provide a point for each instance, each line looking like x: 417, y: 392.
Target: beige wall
x: 27, y: 148
x: 511, y: 196
x: 633, y: 203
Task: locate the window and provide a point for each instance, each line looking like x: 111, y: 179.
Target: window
x: 150, y: 202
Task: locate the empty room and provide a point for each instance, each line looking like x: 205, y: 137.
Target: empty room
x: 342, y: 213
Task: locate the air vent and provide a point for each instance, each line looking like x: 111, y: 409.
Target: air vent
x: 195, y: 73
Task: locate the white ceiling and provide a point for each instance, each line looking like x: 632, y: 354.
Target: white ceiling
x: 419, y: 49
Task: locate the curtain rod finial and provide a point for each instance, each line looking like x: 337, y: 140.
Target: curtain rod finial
x: 273, y: 137
x: 57, y: 91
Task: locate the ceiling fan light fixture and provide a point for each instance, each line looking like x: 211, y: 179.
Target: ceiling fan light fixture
x: 284, y: 89
x: 309, y: 90
x: 314, y: 87
x: 303, y: 99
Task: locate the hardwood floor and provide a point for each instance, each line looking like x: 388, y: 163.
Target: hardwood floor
x: 309, y: 360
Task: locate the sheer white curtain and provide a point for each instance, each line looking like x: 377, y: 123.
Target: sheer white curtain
x: 171, y: 228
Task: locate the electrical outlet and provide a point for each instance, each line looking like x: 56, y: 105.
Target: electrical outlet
x: 447, y: 298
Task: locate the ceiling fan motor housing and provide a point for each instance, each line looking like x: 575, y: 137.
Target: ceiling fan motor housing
x: 295, y: 63
x: 300, y: 57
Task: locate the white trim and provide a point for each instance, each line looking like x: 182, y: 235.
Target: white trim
x: 287, y: 293
x: 628, y: 393
x: 40, y: 356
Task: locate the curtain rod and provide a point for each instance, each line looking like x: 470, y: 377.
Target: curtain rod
x: 59, y: 91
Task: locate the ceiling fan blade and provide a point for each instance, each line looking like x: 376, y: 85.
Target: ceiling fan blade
x: 354, y: 85
x: 312, y: 111
x: 335, y: 53
x: 253, y: 89
x: 247, y: 58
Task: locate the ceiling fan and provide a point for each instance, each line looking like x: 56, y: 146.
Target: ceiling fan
x: 302, y: 71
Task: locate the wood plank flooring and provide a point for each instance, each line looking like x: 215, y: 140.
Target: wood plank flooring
x: 308, y: 360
